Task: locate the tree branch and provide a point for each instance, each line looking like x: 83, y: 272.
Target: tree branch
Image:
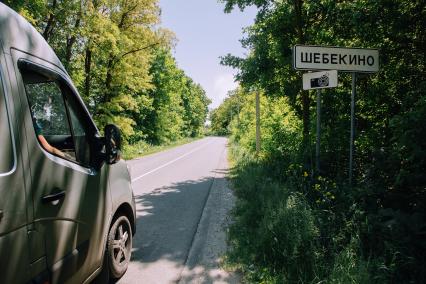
x: 117, y: 59
x: 139, y: 49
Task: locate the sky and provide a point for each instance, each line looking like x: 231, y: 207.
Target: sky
x: 204, y: 33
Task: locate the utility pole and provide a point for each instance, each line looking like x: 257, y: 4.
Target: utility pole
x: 238, y: 117
x: 258, y: 123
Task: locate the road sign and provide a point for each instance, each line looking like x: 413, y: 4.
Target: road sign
x: 320, y: 80
x: 310, y: 57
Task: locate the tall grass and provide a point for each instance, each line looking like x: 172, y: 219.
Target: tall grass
x: 283, y: 233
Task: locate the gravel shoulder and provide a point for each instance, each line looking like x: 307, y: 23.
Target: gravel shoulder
x: 209, y: 243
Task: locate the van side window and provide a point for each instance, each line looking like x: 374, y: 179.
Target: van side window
x: 6, y: 151
x: 81, y: 142
x: 55, y: 117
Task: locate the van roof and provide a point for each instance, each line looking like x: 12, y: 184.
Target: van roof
x: 18, y: 33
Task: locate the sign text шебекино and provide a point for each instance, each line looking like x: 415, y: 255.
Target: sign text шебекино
x: 333, y: 58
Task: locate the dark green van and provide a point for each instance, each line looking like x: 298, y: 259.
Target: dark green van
x: 67, y: 212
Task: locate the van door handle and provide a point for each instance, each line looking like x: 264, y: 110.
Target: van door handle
x: 53, y: 197
x: 1, y: 215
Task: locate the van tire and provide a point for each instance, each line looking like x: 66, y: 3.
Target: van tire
x: 119, y: 247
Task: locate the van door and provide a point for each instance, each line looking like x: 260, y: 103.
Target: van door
x: 14, y: 260
x: 70, y: 198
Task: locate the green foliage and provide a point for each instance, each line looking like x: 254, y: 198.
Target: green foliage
x: 289, y: 230
x: 119, y: 59
x: 222, y: 116
x: 280, y: 127
x: 349, y: 268
x: 179, y: 106
x: 373, y: 231
x: 274, y: 235
x: 143, y: 148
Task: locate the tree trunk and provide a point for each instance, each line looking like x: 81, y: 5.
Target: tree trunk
x: 108, y: 80
x: 110, y: 65
x: 71, y: 40
x: 87, y: 70
x: 50, y: 22
x: 306, y: 101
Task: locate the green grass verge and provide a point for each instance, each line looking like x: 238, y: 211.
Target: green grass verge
x: 143, y: 148
x: 281, y: 234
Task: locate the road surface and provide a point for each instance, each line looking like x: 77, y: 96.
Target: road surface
x: 182, y: 203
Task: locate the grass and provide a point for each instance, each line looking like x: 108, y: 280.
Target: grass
x: 143, y: 148
x: 281, y: 235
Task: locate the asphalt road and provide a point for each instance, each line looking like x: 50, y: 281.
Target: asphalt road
x: 171, y: 191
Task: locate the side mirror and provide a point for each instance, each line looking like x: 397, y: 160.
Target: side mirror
x: 112, y: 144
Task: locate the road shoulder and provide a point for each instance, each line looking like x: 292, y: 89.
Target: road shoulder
x: 209, y: 244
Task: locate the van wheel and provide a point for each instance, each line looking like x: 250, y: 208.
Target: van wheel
x: 119, y: 247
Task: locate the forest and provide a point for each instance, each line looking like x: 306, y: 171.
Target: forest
x: 292, y: 223
x: 120, y: 59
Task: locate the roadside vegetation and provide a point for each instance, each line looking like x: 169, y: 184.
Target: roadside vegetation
x: 291, y: 223
x: 143, y: 148
x: 121, y: 61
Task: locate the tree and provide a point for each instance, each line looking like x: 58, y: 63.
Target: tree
x: 278, y: 26
x: 229, y: 109
x: 119, y: 59
x: 195, y: 103
x: 179, y: 106
x: 389, y: 161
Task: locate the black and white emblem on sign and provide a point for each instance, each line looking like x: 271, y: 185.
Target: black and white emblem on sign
x: 319, y: 80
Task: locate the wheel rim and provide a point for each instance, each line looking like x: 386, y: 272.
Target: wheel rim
x: 121, y: 244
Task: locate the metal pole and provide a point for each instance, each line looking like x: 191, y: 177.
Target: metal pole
x: 257, y: 123
x: 351, y: 145
x: 318, y: 143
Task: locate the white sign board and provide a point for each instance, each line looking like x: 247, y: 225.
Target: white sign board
x: 308, y: 57
x: 320, y: 80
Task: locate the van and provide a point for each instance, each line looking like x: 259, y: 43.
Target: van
x: 67, y: 211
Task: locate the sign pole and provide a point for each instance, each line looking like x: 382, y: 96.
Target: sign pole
x: 318, y: 142
x: 351, y: 145
x: 346, y: 59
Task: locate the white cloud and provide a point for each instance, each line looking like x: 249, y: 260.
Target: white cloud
x: 222, y: 84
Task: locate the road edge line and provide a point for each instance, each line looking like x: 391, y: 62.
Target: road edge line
x: 170, y: 162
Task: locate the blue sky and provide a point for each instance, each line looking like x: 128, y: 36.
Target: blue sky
x: 204, y: 33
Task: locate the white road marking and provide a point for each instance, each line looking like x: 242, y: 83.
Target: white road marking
x: 171, y: 162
